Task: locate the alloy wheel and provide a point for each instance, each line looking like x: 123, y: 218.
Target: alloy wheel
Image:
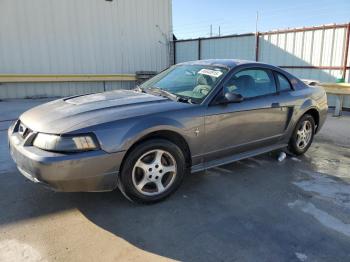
x: 154, y: 172
x: 304, y: 134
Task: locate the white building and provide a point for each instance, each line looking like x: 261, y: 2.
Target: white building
x: 65, y: 40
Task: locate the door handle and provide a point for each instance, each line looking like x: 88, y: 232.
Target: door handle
x: 275, y: 105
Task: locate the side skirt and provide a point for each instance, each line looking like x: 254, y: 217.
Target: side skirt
x: 236, y: 157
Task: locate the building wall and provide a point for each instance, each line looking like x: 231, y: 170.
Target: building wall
x: 82, y: 37
x: 41, y: 90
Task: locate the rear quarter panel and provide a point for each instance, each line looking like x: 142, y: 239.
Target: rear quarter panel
x: 305, y: 99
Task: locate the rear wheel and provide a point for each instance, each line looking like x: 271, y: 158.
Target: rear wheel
x: 303, y: 135
x: 152, y: 171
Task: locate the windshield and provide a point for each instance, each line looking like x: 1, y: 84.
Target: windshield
x: 190, y: 83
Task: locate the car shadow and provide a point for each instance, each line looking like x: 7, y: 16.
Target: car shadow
x: 227, y: 213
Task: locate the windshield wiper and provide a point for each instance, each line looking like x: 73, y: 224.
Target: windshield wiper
x: 168, y: 94
x: 177, y: 98
x: 185, y: 99
x: 172, y: 96
x: 163, y: 93
x: 139, y: 89
x: 188, y: 99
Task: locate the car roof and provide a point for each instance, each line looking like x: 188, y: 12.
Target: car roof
x: 229, y: 63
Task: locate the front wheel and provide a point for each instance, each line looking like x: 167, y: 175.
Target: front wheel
x: 152, y: 171
x: 303, y: 135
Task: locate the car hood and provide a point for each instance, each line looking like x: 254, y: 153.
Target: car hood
x: 74, y: 113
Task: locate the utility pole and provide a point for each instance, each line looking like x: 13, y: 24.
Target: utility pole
x: 219, y: 31
x: 211, y: 30
x: 256, y: 21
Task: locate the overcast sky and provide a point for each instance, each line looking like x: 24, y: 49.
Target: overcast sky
x: 192, y: 18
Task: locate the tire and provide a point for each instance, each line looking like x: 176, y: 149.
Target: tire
x: 152, y: 171
x: 302, y: 137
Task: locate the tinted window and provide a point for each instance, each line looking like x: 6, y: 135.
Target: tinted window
x: 284, y: 83
x: 252, y: 83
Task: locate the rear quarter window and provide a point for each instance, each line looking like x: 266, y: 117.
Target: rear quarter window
x: 283, y: 82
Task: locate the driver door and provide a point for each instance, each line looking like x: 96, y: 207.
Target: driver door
x: 258, y: 121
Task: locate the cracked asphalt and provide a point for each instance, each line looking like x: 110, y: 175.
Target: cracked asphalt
x: 257, y: 209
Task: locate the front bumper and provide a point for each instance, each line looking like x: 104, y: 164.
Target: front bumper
x: 79, y: 172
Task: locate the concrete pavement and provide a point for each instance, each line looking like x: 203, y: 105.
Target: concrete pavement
x: 257, y: 209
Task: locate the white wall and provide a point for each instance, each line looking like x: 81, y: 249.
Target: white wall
x: 322, y: 47
x: 317, y: 47
x: 186, y: 51
x: 242, y: 47
x: 82, y: 37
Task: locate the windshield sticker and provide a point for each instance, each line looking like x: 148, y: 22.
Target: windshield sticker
x: 210, y: 72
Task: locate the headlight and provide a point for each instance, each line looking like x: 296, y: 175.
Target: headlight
x: 65, y: 143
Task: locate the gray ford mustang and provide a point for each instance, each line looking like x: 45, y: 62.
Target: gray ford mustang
x: 190, y: 117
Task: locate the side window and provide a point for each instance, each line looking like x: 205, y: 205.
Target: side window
x: 284, y: 83
x: 252, y: 83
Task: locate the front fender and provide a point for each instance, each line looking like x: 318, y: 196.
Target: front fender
x: 126, y: 133
x: 122, y: 134
x: 147, y: 126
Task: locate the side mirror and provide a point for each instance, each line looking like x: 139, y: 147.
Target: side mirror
x: 229, y: 97
x: 233, y: 97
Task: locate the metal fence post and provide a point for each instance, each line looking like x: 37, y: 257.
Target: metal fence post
x: 174, y: 51
x: 199, y: 48
x: 257, y: 46
x: 346, y: 51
